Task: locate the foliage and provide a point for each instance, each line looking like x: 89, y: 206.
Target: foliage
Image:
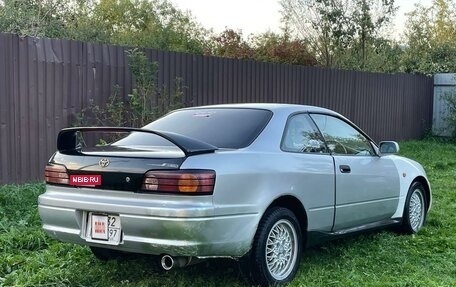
x: 431, y: 39
x: 347, y: 34
x: 342, y: 33
x: 282, y: 49
x: 142, y: 23
x: 153, y: 24
x: 28, y: 257
x: 383, y: 56
x: 142, y: 98
x: 267, y: 47
x: 112, y: 114
x: 84, y: 23
x: 145, y: 104
x: 33, y: 17
x: 230, y: 44
x: 139, y: 23
x: 336, y: 28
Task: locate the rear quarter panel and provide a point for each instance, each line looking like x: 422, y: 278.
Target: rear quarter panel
x: 248, y: 182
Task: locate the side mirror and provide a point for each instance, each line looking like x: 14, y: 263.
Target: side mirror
x: 388, y: 147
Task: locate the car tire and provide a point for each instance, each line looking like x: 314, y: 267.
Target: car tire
x: 415, y: 209
x: 276, y: 250
x: 105, y: 254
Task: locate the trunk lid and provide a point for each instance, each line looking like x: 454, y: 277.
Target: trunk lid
x: 120, y: 168
x: 121, y: 156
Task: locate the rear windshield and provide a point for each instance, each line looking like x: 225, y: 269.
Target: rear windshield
x: 221, y: 127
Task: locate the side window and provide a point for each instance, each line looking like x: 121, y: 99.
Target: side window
x: 301, y: 136
x: 341, y: 137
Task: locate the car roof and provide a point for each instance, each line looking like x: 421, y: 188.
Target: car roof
x: 284, y: 110
x: 287, y: 108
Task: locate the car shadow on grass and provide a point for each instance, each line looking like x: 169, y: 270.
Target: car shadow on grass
x: 359, y: 250
x: 141, y: 269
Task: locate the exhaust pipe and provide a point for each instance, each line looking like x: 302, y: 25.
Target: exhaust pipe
x: 168, y: 262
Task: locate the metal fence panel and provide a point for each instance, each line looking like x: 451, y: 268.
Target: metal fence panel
x: 444, y: 85
x: 45, y: 82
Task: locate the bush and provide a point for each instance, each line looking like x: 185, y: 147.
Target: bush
x: 145, y: 103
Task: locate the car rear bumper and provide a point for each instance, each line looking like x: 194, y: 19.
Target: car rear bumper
x: 151, y: 224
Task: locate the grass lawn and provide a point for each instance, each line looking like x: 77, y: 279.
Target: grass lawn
x: 30, y: 258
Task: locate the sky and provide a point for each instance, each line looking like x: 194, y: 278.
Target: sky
x: 258, y: 16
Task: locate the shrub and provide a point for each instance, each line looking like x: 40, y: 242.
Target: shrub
x: 145, y: 103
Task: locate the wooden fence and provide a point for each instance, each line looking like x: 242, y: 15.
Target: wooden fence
x: 45, y: 82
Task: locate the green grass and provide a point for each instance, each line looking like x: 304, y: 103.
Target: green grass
x: 30, y: 258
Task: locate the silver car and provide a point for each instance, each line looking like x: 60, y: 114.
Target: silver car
x: 252, y: 181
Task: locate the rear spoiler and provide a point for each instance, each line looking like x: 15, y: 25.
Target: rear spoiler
x: 66, y: 140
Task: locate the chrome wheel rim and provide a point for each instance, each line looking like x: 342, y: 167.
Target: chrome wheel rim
x: 416, y: 210
x: 281, y: 249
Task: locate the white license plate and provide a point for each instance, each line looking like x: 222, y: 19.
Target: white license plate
x: 104, y: 227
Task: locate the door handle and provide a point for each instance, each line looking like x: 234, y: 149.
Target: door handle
x: 344, y: 168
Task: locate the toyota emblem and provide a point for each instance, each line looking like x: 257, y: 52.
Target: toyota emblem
x: 104, y: 162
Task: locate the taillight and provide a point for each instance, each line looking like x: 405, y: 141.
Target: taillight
x: 180, y: 181
x: 56, y: 174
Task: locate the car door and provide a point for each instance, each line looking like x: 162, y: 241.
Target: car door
x: 310, y: 170
x: 367, y: 186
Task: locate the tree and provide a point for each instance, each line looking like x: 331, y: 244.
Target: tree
x: 267, y: 47
x: 140, y: 23
x: 153, y: 24
x: 230, y: 44
x: 276, y: 48
x: 146, y: 103
x: 331, y: 27
x: 430, y: 39
x: 33, y: 17
x: 384, y: 56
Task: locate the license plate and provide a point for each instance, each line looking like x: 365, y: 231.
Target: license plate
x: 89, y: 180
x: 104, y: 227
